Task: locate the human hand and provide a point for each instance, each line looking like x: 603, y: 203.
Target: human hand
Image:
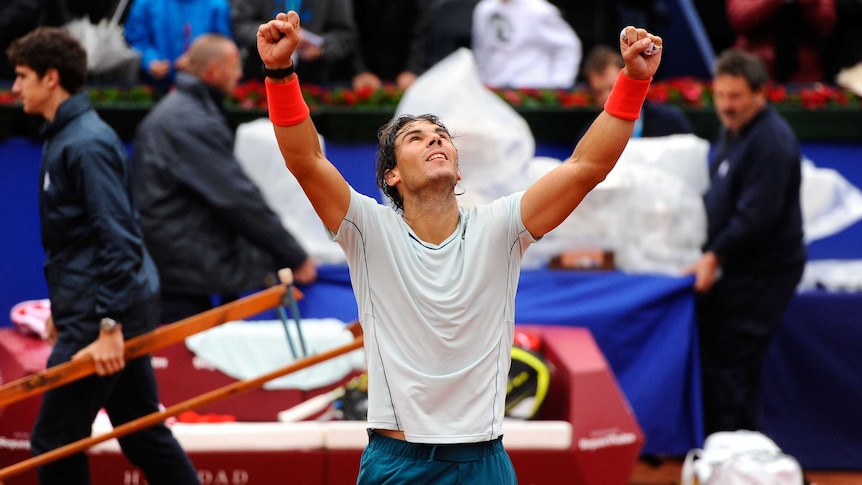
x: 705, y: 271
x: 159, y: 68
x: 278, y: 39
x: 50, y: 330
x: 405, y: 80
x: 366, y: 80
x: 309, y: 51
x: 182, y: 62
x: 306, y: 273
x: 641, y: 51
x: 107, y: 352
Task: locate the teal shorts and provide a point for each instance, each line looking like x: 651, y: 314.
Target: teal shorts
x: 391, y: 461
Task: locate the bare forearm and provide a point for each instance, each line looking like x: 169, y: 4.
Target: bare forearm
x: 603, y: 144
x: 324, y: 186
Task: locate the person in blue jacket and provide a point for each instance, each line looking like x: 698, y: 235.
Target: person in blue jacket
x: 103, y: 285
x: 755, y: 253
x: 163, y: 30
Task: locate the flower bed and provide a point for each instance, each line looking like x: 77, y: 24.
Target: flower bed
x: 817, y: 112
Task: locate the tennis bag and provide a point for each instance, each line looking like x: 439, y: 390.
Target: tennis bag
x: 740, y: 457
x: 529, y: 379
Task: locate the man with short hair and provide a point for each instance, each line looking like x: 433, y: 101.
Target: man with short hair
x: 211, y: 232
x: 601, y: 68
x: 101, y: 280
x: 755, y: 253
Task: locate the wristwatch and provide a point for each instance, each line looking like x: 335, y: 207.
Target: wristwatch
x: 108, y: 324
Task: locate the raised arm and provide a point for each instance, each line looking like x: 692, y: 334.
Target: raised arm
x: 549, y: 201
x: 297, y: 137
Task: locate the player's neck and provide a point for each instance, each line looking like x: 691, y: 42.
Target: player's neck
x: 432, y: 223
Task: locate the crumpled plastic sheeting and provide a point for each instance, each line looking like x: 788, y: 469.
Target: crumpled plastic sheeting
x: 246, y: 350
x: 835, y: 275
x: 829, y: 202
x: 257, y: 151
x: 492, y: 139
x: 649, y: 210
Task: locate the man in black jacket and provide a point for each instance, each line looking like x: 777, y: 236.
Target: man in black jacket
x: 601, y: 68
x: 755, y: 254
x: 208, y: 227
x: 101, y: 280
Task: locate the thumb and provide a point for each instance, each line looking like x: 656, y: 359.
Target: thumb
x: 81, y: 353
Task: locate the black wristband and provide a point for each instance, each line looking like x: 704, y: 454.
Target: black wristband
x: 278, y: 73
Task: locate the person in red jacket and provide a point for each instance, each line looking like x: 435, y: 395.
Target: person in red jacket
x: 786, y: 34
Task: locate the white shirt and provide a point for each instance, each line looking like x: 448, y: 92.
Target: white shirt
x: 524, y: 44
x: 438, y: 320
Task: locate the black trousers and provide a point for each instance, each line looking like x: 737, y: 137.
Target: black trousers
x: 736, y: 320
x: 67, y: 414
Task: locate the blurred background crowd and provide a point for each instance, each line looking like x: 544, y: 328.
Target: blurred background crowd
x: 372, y: 43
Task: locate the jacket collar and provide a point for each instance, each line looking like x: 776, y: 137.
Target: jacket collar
x: 70, y: 109
x: 196, y: 87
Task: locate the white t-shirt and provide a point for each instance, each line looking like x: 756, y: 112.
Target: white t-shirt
x: 524, y: 44
x: 438, y: 320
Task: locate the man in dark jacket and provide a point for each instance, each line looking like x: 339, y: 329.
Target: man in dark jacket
x: 754, y: 254
x: 102, y: 282
x: 207, y: 225
x: 601, y: 68
x: 329, y: 42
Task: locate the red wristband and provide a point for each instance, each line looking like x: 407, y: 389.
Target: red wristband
x: 286, y: 104
x: 627, y: 97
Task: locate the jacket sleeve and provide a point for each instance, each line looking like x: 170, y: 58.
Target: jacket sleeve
x: 341, y: 36
x: 765, y: 174
x: 565, y: 47
x: 746, y: 15
x: 246, y: 17
x: 210, y: 170
x: 418, y: 39
x: 221, y: 19
x: 821, y: 16
x: 138, y: 33
x: 107, y: 192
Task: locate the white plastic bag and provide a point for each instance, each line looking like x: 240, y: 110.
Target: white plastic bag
x: 494, y: 142
x: 257, y: 151
x: 740, y: 457
x: 107, y: 50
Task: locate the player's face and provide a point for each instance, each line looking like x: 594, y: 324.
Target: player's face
x: 425, y: 154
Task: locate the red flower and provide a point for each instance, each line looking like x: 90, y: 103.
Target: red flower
x: 365, y: 93
x: 658, y: 93
x: 512, y: 97
x: 815, y: 97
x: 776, y: 93
x: 6, y: 97
x: 350, y: 97
x: 692, y: 93
x: 573, y: 99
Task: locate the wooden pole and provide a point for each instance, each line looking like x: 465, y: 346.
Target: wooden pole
x: 144, y: 344
x: 149, y: 420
